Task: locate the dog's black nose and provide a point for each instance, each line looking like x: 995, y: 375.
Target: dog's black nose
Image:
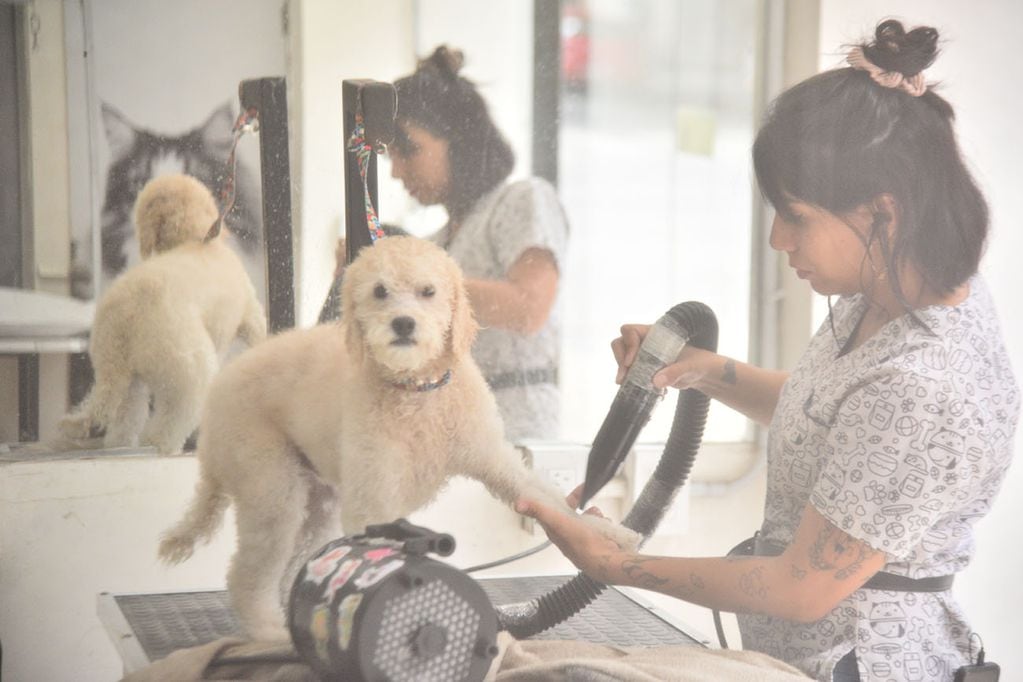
x: 403, y: 326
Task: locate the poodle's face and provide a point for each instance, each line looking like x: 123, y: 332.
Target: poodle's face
x: 404, y: 304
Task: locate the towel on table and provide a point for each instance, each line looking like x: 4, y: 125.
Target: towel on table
x: 573, y: 661
x: 517, y: 661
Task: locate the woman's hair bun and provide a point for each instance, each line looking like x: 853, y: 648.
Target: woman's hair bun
x: 447, y: 60
x: 895, y: 49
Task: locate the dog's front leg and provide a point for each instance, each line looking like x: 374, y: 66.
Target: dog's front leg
x: 507, y: 477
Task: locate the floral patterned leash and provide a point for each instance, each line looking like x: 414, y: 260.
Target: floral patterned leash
x: 247, y: 121
x: 363, y: 153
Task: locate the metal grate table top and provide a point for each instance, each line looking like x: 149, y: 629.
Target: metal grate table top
x: 147, y: 627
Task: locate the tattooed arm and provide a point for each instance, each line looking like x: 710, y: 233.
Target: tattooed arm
x: 751, y: 390
x: 822, y: 566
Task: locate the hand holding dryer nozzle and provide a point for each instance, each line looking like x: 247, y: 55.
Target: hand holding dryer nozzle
x: 635, y: 401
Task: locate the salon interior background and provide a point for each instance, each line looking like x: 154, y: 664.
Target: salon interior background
x: 652, y: 164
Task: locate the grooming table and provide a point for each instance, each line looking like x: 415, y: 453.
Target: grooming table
x: 147, y: 627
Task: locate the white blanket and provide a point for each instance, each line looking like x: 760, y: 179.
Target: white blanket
x: 517, y: 661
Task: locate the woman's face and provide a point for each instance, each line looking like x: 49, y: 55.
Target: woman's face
x: 420, y: 161
x: 826, y: 250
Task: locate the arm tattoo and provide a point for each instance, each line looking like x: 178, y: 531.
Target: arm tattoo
x: 639, y: 576
x: 697, y: 581
x: 752, y: 583
x: 798, y: 573
x: 728, y: 376
x: 834, y: 550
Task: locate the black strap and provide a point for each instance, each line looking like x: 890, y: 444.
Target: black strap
x: 882, y: 580
x: 523, y: 377
x: 893, y: 582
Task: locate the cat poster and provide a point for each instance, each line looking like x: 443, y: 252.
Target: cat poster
x: 165, y: 82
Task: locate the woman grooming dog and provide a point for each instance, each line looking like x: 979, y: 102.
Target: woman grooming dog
x: 893, y: 434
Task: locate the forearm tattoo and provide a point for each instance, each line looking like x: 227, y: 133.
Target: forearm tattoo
x: 834, y: 550
x: 728, y: 376
x: 752, y: 583
x: 639, y: 576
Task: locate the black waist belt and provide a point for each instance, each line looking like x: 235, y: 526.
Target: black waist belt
x: 523, y: 377
x: 882, y: 580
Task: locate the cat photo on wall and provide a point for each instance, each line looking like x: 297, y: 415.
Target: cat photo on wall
x: 139, y: 154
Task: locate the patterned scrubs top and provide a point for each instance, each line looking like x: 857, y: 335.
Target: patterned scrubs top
x: 902, y: 443
x: 522, y: 370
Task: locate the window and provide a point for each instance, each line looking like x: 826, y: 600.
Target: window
x: 657, y: 111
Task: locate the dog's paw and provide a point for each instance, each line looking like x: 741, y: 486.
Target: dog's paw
x: 269, y: 633
x: 76, y: 426
x: 626, y: 538
x: 175, y: 549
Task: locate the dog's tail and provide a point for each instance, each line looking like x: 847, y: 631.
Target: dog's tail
x: 201, y: 521
x: 102, y: 408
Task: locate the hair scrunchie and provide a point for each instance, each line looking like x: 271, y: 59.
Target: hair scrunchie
x: 914, y: 85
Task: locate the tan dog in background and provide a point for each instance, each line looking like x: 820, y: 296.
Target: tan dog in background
x: 359, y: 423
x: 161, y: 328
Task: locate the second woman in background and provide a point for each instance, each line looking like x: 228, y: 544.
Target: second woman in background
x: 510, y: 238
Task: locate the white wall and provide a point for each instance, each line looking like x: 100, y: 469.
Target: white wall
x: 70, y: 530
x: 332, y: 41
x: 980, y: 71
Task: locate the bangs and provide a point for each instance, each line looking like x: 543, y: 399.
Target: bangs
x: 807, y: 151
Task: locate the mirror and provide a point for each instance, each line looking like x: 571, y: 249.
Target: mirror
x: 640, y: 114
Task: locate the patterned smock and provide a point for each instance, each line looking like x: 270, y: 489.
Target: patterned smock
x: 522, y: 370
x: 903, y: 443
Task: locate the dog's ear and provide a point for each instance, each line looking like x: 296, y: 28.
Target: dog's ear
x: 463, y: 323
x: 148, y: 234
x: 349, y: 324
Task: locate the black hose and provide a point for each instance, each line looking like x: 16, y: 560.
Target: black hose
x: 527, y: 619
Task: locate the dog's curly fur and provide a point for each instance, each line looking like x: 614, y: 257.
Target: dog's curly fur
x: 316, y: 426
x: 161, y: 328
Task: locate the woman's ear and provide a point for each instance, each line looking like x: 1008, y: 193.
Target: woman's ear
x: 885, y: 212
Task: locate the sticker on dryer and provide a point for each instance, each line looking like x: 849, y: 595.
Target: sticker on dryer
x: 346, y: 619
x: 323, y: 566
x: 374, y: 574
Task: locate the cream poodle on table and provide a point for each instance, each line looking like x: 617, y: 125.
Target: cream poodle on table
x: 161, y: 328
x: 362, y: 422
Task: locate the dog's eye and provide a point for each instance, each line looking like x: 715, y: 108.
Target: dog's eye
x: 427, y: 291
x: 380, y: 291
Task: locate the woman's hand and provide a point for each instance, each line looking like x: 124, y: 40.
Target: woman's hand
x: 626, y: 346
x: 687, y: 371
x: 593, y: 553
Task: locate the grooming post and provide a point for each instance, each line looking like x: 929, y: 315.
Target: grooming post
x: 374, y: 103
x: 269, y: 98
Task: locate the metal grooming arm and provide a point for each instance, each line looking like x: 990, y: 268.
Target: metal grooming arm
x: 378, y: 102
x: 269, y: 97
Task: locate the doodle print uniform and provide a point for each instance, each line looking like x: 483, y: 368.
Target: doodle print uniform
x: 521, y: 369
x: 903, y: 443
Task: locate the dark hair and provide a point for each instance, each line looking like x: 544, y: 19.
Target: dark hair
x: 839, y: 140
x: 448, y: 106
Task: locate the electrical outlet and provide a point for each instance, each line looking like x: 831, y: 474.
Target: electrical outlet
x: 565, y: 479
x: 562, y: 464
